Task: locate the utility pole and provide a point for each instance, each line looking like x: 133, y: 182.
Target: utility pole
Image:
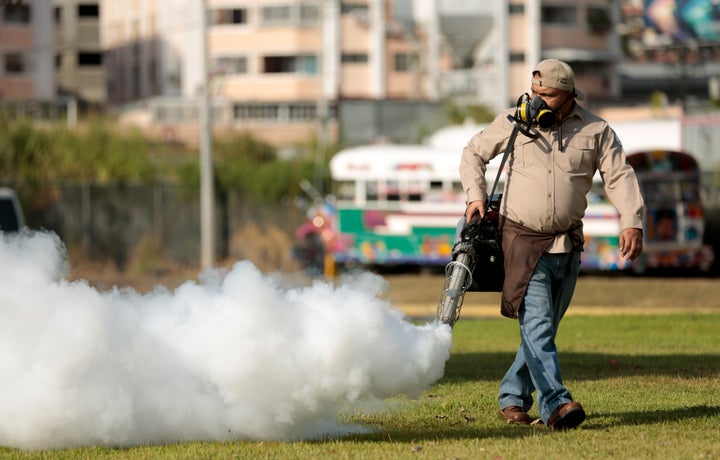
x: 207, y: 189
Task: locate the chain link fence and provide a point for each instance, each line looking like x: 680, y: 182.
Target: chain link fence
x: 155, y: 226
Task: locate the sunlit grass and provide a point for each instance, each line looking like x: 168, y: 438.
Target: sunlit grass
x: 650, y: 386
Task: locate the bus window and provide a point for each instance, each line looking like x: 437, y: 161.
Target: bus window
x: 659, y: 191
x: 458, y: 192
x: 372, y: 190
x: 457, y: 187
x: 662, y: 225
x: 345, y: 190
x: 415, y: 190
x: 435, y: 192
x: 393, y: 190
x: 689, y: 190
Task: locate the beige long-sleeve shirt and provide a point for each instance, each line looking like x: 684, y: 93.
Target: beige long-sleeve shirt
x: 546, y: 188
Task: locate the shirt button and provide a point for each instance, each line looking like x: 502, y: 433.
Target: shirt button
x: 549, y: 195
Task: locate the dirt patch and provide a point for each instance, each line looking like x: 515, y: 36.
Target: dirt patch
x: 612, y: 292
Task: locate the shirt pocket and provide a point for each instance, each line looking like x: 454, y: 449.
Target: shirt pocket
x: 524, y: 153
x: 578, y: 155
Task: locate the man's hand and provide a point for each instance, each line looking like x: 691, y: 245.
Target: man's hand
x: 631, y: 243
x: 475, y: 210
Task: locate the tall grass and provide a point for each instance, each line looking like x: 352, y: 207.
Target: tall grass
x: 650, y: 386
x: 100, y: 151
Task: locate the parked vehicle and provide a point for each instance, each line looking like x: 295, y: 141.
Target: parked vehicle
x: 11, y: 216
x: 674, y: 214
x: 400, y: 205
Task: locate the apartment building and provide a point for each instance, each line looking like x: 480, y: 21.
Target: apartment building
x: 283, y: 68
x: 580, y: 32
x: 79, y: 69
x: 276, y: 68
x: 507, y: 38
x: 26, y: 52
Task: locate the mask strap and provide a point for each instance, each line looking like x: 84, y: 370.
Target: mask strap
x: 560, y: 137
x: 560, y: 120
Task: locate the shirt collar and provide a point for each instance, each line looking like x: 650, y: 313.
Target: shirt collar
x: 576, y: 111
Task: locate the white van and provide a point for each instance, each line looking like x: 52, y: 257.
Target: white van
x: 11, y: 217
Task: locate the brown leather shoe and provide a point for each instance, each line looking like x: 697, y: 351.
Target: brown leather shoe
x: 516, y: 414
x: 566, y: 416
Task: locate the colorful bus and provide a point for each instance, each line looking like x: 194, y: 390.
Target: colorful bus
x: 674, y: 216
x: 400, y: 205
x: 392, y: 205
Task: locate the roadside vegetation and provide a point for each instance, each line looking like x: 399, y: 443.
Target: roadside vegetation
x: 38, y: 156
x: 100, y: 152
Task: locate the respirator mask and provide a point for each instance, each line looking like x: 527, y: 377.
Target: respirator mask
x: 534, y: 111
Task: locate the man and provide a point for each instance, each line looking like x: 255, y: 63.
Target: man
x: 548, y: 176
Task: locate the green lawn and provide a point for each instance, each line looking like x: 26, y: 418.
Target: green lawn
x: 650, y: 386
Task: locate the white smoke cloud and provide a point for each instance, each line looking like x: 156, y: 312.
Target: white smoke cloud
x: 238, y: 356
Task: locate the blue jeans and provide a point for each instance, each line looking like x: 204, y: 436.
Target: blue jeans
x: 536, y: 365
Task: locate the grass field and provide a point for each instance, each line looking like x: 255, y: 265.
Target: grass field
x: 609, y: 290
x: 650, y: 384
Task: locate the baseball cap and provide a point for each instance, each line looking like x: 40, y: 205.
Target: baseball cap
x: 554, y: 73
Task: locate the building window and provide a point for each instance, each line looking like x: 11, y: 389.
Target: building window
x: 176, y: 113
x: 89, y: 59
x: 559, y: 15
x: 598, y: 20
x: 517, y: 57
x: 88, y: 10
x: 309, y: 14
x: 290, y: 64
x: 307, y: 65
x: 403, y: 62
x: 229, y: 16
x: 281, y: 112
x: 299, y: 14
x: 57, y: 14
x: 349, y: 58
x: 302, y: 112
x: 16, y: 13
x: 14, y: 63
x: 516, y: 8
x: 267, y: 112
x: 275, y: 14
x: 353, y: 8
x: 229, y: 65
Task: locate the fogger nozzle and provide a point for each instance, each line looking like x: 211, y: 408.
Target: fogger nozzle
x: 458, y: 278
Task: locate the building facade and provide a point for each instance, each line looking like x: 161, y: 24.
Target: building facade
x: 581, y: 33
x: 79, y: 68
x: 282, y: 69
x: 26, y: 52
x: 278, y: 69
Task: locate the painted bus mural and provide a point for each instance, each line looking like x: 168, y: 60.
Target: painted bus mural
x: 400, y: 205
x: 674, y: 215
